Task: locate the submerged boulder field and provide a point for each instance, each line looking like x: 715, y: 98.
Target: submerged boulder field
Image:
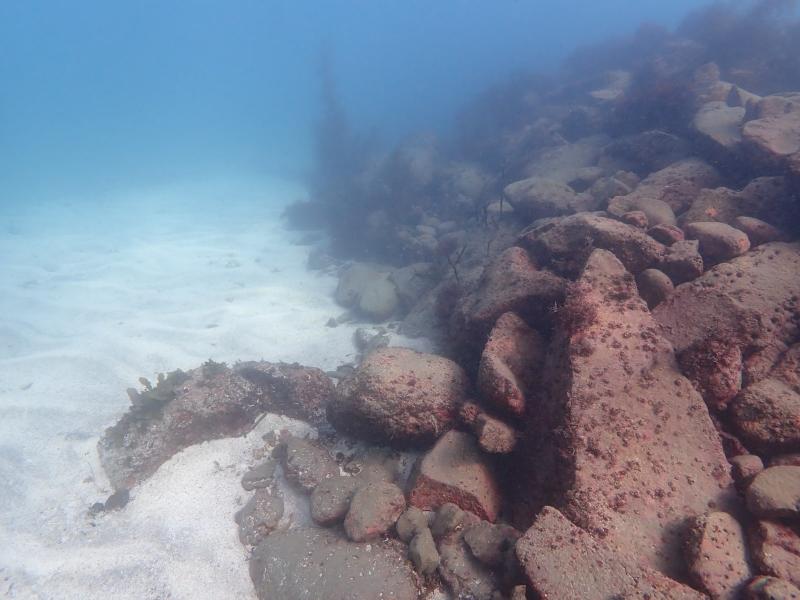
x: 612, y: 279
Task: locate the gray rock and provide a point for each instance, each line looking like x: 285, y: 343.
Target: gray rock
x: 306, y: 464
x: 490, y: 543
x: 423, y: 553
x: 260, y: 476
x: 682, y: 261
x: 330, y: 499
x: 654, y: 286
x: 775, y: 493
x: 718, y: 241
x: 410, y: 523
x: 374, y: 509
x: 260, y: 516
x: 447, y: 519
x: 537, y: 197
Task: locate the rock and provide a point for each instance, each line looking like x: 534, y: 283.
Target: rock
x: 260, y: 476
x: 537, y: 197
x: 766, y: 414
x: 509, y: 364
x: 758, y: 231
x: 618, y: 437
x: 564, y: 562
x: 260, y: 516
x: 374, y: 509
x: 330, y: 499
x: 315, y: 563
x: 744, y: 468
x: 510, y: 283
x: 785, y: 459
x: 768, y: 198
x: 454, y: 470
x: 565, y: 245
x: 118, y: 500
x: 495, y: 436
x: 747, y: 302
x: 654, y: 286
x: 499, y: 208
x: 423, y: 553
x: 489, y: 543
x: 720, y: 124
x: 716, y: 555
x: 775, y: 548
x: 771, y: 588
x: 635, y: 218
x: 464, y: 574
x: 645, y: 152
x: 718, y: 241
x: 775, y: 493
x: 774, y: 138
x: 565, y: 162
x: 657, y: 211
x: 715, y: 369
x: 400, y: 397
x: 519, y: 592
x: 367, y: 340
x: 369, y: 290
x: 666, y: 234
x: 412, y: 282
x: 306, y: 464
x: 607, y: 188
x: 677, y: 184
x: 375, y: 463
x: 410, y: 523
x: 207, y: 403
x: 448, y: 519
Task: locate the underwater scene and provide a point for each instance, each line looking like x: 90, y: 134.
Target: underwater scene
x: 383, y: 299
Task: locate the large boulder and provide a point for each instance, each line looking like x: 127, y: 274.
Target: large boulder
x: 509, y: 364
x: 718, y: 241
x: 618, y: 439
x: 719, y: 124
x: 563, y: 562
x: 644, y: 152
x: 775, y: 493
x: 455, y: 471
x: 303, y: 564
x: 400, y: 397
x: 775, y: 137
x: 538, y: 197
x: 563, y: 245
x: 207, y: 403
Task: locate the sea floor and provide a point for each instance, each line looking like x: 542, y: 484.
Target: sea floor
x: 95, y: 294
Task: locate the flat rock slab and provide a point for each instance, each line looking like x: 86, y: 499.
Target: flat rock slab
x: 456, y: 471
x: 563, y: 562
x: 309, y: 564
x: 206, y: 403
x: 620, y: 441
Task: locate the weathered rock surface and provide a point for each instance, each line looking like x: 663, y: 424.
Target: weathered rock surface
x: 775, y: 548
x: 306, y: 464
x: 677, y: 184
x: 654, y: 286
x: 720, y: 124
x: 718, y: 241
x: 510, y: 363
x: 768, y: 198
x: 771, y: 588
x: 464, y: 574
x: 330, y: 499
x: 260, y: 516
x: 489, y: 542
x: 715, y: 369
x: 682, y: 261
x: 537, y: 197
x: 495, y: 436
x: 260, y: 476
x: 455, y: 471
x: 400, y: 397
x: 368, y: 290
x: 562, y: 561
x: 374, y: 509
x: 666, y: 234
x: 775, y: 493
x: 423, y: 553
x: 744, y: 468
x: 308, y: 564
x: 206, y: 403
x: 410, y: 523
x: 775, y: 137
x: 645, y: 152
x: 564, y: 245
x: 620, y: 439
x: 657, y: 211
x: 717, y: 555
x: 758, y: 231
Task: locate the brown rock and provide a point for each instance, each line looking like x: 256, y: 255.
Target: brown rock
x: 564, y: 562
x: 718, y: 241
x: 677, y: 184
x: 455, y: 471
x: 374, y: 509
x: 656, y: 212
x: 758, y: 231
x: 775, y: 493
x: 399, y: 396
x: 785, y: 459
x: 766, y: 414
x: 682, y: 261
x: 775, y: 548
x: 260, y: 516
x: 489, y: 542
x: 744, y: 468
x: 495, y: 436
x: 771, y: 588
x: 767, y: 198
x: 666, y: 234
x: 715, y: 369
x: 654, y: 286
x: 635, y: 218
x: 564, y: 245
x: 619, y: 438
x: 510, y: 363
x: 716, y: 554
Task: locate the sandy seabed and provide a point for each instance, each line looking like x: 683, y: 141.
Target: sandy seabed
x: 95, y: 294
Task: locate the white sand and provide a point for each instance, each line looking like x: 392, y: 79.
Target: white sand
x: 94, y: 295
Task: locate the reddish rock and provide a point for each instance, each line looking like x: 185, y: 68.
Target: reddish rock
x: 495, y: 436
x: 654, y: 286
x: 718, y: 241
x: 767, y: 416
x: 666, y: 234
x: 792, y: 460
x: 455, y: 471
x: 564, y: 245
x: 771, y: 588
x: 677, y: 184
x: 775, y: 493
x: 510, y: 363
x: 758, y: 231
x: 656, y: 212
x: 775, y: 548
x: 715, y: 369
x: 374, y: 509
x: 716, y: 555
x: 399, y: 396
x: 564, y: 562
x: 207, y: 403
x: 744, y: 468
x: 619, y: 439
x: 682, y: 261
x: 767, y: 198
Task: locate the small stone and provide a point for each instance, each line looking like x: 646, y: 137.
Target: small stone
x: 330, y: 499
x: 374, y: 509
x: 411, y: 523
x: 495, y: 436
x: 775, y: 549
x: 718, y: 241
x: 744, y: 468
x: 117, y: 500
x: 260, y: 516
x: 682, y: 261
x: 775, y: 493
x: 771, y: 588
x: 654, y: 286
x: 260, y: 476
x: 306, y: 464
x: 447, y: 519
x: 758, y: 231
x: 666, y: 234
x: 637, y: 218
x: 423, y: 553
x: 489, y: 543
